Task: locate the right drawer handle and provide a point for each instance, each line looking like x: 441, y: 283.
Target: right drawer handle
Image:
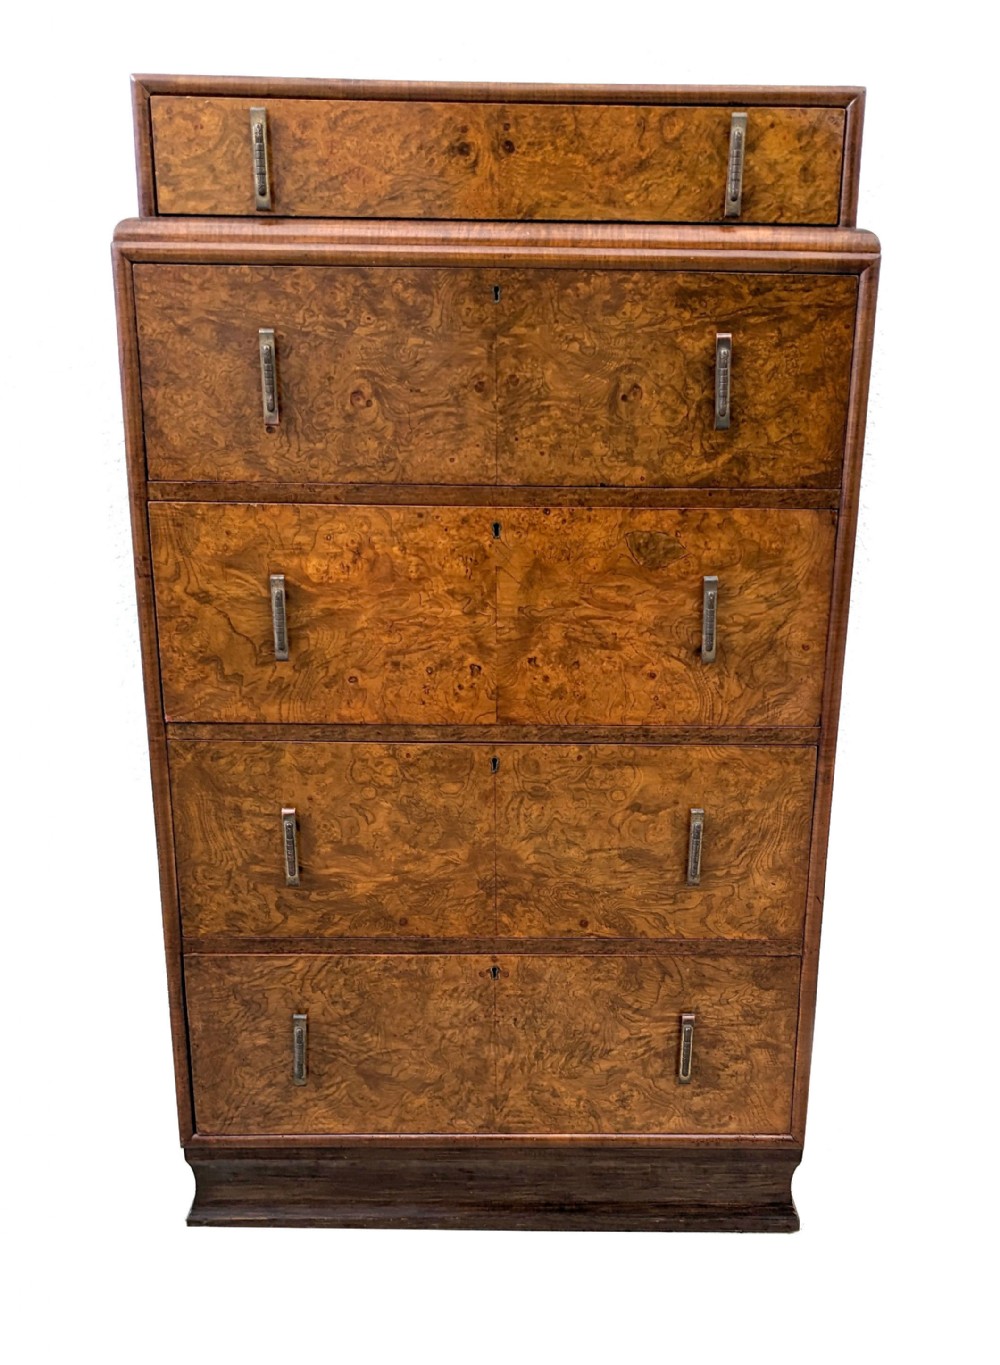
x: 300, y: 1048
x: 696, y: 840
x: 269, y: 376
x: 290, y: 844
x: 686, y: 1059
x: 261, y: 159
x: 709, y: 617
x: 279, y: 616
x: 734, y: 168
x: 723, y: 378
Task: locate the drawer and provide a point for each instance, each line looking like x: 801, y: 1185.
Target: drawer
x: 601, y: 614
x: 452, y: 840
x: 422, y: 375
x: 400, y: 1044
x: 389, y: 838
x: 599, y: 839
x: 389, y: 610
x: 461, y: 1044
x: 399, y: 158
x: 442, y: 615
x: 609, y: 377
x: 382, y: 374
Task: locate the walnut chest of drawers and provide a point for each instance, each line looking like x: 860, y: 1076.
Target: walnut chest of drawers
x: 494, y: 458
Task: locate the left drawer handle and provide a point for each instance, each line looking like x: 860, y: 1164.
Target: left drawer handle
x: 300, y: 1048
x: 709, y: 618
x: 290, y: 844
x: 734, y: 168
x: 686, y: 1059
x: 269, y: 376
x: 279, y: 616
x: 723, y: 378
x: 261, y: 159
x: 696, y: 840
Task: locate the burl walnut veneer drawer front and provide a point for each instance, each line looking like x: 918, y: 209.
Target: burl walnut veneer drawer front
x: 428, y: 375
x: 441, y: 615
x: 453, y: 840
x: 465, y: 1044
x: 348, y: 158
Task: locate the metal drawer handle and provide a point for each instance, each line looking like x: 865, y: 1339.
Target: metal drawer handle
x: 709, y: 617
x: 261, y: 159
x: 734, y: 171
x: 696, y: 838
x: 723, y: 378
x: 269, y: 376
x: 687, y: 1049
x: 290, y: 844
x: 300, y: 1048
x: 279, y: 616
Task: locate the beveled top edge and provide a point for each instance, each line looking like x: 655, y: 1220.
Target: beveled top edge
x: 513, y: 92
x: 220, y: 235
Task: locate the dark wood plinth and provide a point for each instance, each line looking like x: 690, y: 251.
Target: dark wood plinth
x: 638, y: 1188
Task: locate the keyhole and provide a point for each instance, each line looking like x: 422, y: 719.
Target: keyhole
x: 496, y: 530
x: 496, y: 293
x: 494, y: 764
x: 495, y: 973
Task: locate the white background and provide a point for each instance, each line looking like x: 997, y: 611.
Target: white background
x: 894, y: 1258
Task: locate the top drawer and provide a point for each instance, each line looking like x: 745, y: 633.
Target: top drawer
x: 353, y: 150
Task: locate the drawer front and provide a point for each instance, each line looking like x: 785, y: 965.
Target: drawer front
x: 600, y: 839
x: 389, y: 838
x: 462, y: 1044
x: 382, y: 374
x: 426, y: 159
x: 444, y: 615
x: 601, y: 615
x: 389, y: 613
x: 592, y: 1044
x: 400, y: 1044
x: 609, y: 377
x: 420, y: 375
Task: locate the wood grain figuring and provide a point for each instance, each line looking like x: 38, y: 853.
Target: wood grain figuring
x: 665, y: 164
x: 329, y: 159
x: 393, y: 839
x: 593, y: 839
x: 409, y: 1045
x: 429, y: 159
x: 390, y: 613
x: 599, y: 616
x: 395, y: 1045
x: 626, y: 246
x: 609, y: 378
x: 591, y: 1044
x: 383, y: 374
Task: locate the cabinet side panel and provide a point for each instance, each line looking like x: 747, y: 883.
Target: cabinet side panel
x: 135, y: 458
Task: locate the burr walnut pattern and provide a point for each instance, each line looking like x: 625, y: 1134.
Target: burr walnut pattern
x: 462, y: 1044
x: 589, y: 162
x: 384, y: 374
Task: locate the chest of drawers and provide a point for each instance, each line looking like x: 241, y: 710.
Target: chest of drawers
x: 494, y: 457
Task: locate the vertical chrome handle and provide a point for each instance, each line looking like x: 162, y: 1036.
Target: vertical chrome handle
x: 300, y: 1048
x: 290, y: 844
x: 687, y: 1049
x: 269, y: 376
x: 734, y: 170
x: 696, y: 837
x: 723, y: 378
x: 709, y: 617
x: 261, y: 159
x: 279, y: 616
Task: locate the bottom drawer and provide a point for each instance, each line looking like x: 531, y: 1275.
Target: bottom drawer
x: 429, y: 1043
